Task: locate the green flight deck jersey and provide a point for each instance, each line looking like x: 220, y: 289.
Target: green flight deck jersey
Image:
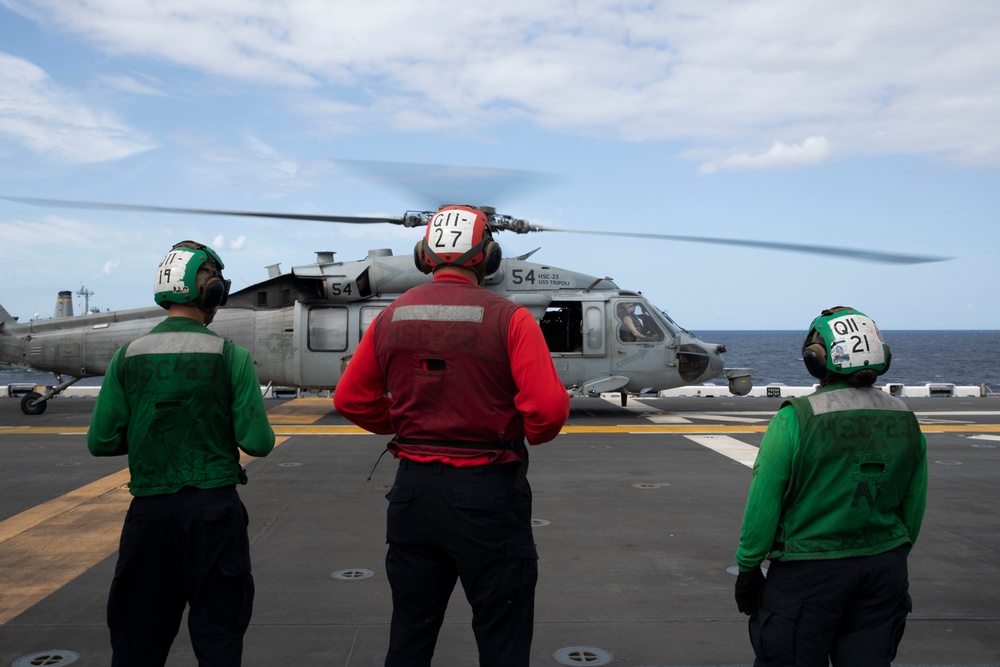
x: 840, y: 473
x: 181, y: 401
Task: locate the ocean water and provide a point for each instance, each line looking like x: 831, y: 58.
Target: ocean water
x: 918, y: 358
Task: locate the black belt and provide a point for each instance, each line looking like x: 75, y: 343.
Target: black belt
x: 506, y: 468
x: 513, y: 445
x: 516, y: 446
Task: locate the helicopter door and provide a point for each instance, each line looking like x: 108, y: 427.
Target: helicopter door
x: 574, y: 328
x: 321, y: 341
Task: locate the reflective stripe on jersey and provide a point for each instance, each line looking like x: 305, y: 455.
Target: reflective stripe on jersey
x: 176, y: 342
x: 839, y: 401
x: 438, y: 313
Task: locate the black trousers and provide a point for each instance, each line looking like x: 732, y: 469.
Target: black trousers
x: 851, y: 612
x: 189, y: 547
x: 446, y: 524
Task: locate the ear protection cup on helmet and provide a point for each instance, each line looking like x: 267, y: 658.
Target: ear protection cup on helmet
x: 213, y: 292
x: 419, y: 259
x: 814, y: 357
x: 213, y: 288
x: 491, y: 257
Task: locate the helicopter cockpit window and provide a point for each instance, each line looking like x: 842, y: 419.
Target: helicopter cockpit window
x: 636, y: 324
x: 328, y: 329
x: 672, y: 327
x: 562, y: 326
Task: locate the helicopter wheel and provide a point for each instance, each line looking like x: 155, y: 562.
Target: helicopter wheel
x: 30, y: 405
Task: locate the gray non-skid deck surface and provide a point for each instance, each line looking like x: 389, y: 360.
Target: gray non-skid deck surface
x: 636, y: 532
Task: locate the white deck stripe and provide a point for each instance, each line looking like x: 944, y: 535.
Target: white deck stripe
x: 727, y: 446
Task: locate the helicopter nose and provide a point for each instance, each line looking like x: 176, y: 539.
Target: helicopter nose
x: 694, y: 360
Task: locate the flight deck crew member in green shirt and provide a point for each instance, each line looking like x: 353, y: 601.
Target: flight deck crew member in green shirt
x: 182, y: 402
x: 836, y: 502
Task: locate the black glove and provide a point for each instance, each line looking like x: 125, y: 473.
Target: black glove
x: 749, y: 590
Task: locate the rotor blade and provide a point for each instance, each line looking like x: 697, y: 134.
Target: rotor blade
x: 518, y: 226
x: 832, y: 251
x: 104, y: 206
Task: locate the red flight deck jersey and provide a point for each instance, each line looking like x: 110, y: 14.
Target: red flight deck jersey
x: 452, y: 361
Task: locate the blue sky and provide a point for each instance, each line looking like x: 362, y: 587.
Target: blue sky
x: 856, y: 124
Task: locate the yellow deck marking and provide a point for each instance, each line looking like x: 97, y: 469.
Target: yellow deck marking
x: 36, y: 556
x: 298, y: 411
x: 41, y: 560
x: 56, y: 507
x: 301, y: 411
x: 305, y: 427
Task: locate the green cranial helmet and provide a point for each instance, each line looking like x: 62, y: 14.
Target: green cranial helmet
x: 843, y: 340
x: 191, y: 272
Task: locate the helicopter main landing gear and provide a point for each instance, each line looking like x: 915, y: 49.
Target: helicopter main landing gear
x: 30, y: 405
x: 34, y: 403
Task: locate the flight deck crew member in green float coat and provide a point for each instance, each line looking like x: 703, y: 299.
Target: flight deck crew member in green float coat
x: 182, y: 402
x: 836, y: 502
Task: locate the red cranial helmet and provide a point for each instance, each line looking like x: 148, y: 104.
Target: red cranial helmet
x: 458, y: 236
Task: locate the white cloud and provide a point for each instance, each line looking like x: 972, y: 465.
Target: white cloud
x: 109, y: 267
x: 286, y: 167
x: 50, y: 120
x: 219, y: 243
x: 131, y: 84
x: 249, y: 164
x: 52, y: 231
x: 871, y: 77
x: 813, y: 150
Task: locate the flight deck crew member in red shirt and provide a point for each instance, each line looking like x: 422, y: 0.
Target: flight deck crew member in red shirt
x: 462, y: 377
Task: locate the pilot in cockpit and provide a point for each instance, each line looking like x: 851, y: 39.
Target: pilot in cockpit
x: 635, y: 326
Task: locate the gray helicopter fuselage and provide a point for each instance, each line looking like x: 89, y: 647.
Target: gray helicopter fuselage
x: 302, y: 327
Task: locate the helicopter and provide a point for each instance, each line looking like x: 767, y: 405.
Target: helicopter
x: 301, y: 327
